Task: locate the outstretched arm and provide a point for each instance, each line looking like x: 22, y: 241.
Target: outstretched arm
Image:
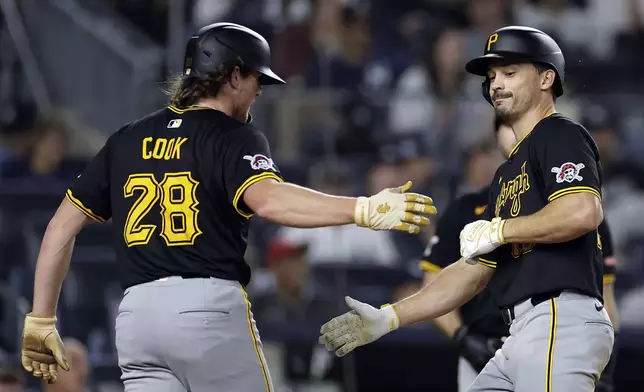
x: 454, y: 286
x: 296, y: 206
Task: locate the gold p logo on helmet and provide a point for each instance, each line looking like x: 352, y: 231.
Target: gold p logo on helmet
x: 493, y: 38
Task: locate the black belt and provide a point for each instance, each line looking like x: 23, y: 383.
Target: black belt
x: 195, y: 276
x: 508, y: 312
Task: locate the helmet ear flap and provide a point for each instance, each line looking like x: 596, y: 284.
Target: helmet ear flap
x: 485, y: 87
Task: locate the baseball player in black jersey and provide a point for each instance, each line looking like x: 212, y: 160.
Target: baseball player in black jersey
x: 180, y: 186
x: 477, y: 327
x: 536, y: 248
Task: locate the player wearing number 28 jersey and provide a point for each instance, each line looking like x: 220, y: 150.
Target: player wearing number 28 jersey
x: 173, y: 181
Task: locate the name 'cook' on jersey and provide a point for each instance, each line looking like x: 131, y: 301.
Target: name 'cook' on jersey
x: 557, y: 158
x: 172, y: 182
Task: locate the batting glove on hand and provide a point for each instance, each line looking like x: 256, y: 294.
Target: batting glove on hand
x: 42, y: 349
x: 394, y: 209
x: 481, y: 237
x: 363, y: 325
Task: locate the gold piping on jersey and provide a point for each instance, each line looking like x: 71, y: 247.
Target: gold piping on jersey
x: 551, y: 343
x: 250, y: 181
x: 487, y: 263
x: 574, y: 189
x: 78, y: 204
x: 188, y: 109
x: 429, y: 267
x: 258, y: 351
x: 609, y: 278
x: 516, y: 147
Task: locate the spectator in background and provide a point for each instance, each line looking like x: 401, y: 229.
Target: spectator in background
x: 480, y: 163
x: 344, y: 67
x: 76, y: 379
x: 623, y: 181
x: 406, y: 156
x: 340, y: 244
x: 44, y: 159
x: 292, y: 299
x: 12, y: 378
x: 291, y: 295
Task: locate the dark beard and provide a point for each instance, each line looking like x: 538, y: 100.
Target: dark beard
x: 505, y: 117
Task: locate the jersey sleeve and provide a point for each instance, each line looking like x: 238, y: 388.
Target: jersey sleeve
x: 567, y: 160
x: 444, y: 248
x: 90, y: 192
x: 248, y: 160
x: 606, y: 244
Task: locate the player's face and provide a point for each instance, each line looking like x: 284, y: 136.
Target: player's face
x: 514, y: 88
x: 249, y: 89
x: 506, y: 140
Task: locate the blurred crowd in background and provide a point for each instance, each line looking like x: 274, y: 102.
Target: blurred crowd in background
x: 376, y: 95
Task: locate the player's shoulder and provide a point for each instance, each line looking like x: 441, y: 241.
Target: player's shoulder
x: 558, y: 126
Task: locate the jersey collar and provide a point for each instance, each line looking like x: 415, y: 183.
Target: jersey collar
x: 516, y: 147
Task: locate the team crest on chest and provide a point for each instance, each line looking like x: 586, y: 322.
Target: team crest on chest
x: 568, y: 172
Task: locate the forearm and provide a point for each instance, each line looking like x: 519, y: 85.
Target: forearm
x: 296, y: 206
x: 55, y: 256
x: 449, y: 323
x: 51, y: 269
x: 454, y: 286
x: 564, y: 219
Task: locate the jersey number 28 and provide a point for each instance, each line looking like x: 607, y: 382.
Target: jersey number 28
x: 178, y: 201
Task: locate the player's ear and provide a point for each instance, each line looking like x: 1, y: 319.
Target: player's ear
x: 547, y: 79
x: 235, y: 77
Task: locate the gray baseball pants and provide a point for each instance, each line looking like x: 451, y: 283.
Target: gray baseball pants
x: 189, y: 335
x: 560, y: 345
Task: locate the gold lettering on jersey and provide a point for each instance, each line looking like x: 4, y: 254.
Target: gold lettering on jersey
x: 520, y: 249
x: 162, y: 148
x: 512, y: 190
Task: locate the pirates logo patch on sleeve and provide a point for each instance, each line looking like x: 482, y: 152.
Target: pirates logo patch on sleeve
x: 260, y: 162
x: 568, y: 172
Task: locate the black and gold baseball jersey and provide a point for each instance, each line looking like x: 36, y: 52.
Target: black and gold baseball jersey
x: 557, y: 158
x: 480, y: 314
x: 172, y: 183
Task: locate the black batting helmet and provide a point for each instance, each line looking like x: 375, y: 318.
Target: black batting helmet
x: 219, y: 43
x: 520, y: 44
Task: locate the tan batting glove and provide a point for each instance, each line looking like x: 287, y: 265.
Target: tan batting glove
x: 362, y: 325
x: 394, y: 209
x: 481, y: 237
x: 42, y: 348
